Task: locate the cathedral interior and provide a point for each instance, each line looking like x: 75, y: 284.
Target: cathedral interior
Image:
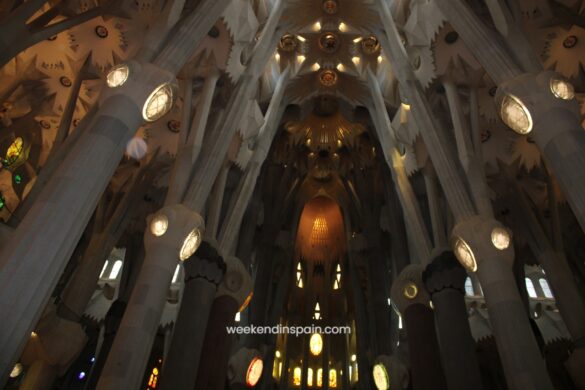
x: 292, y: 194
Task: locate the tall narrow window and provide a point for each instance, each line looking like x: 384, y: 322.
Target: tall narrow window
x: 545, y: 288
x: 320, y: 377
x: 469, y: 287
x: 176, y: 274
x: 297, y: 376
x: 530, y: 288
x: 317, y: 313
x: 299, y: 275
x: 337, y: 281
x: 115, y: 269
x: 332, y: 378
x: 104, y: 269
x: 310, y: 377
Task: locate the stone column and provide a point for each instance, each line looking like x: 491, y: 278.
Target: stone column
x: 203, y: 273
x: 231, y: 227
x: 531, y: 368
x: 412, y: 300
x: 36, y: 255
x: 555, y: 121
x: 475, y: 243
x: 233, y: 293
x: 191, y: 146
x: 444, y: 279
x: 212, y: 157
x: 174, y: 234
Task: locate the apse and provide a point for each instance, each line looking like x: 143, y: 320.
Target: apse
x: 321, y: 232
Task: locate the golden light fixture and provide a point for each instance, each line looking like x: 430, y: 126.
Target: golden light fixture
x: 118, y: 75
x: 330, y: 7
x: 329, y: 42
x: 254, y: 372
x: 381, y: 379
x: 410, y: 290
x: 316, y: 344
x: 562, y: 89
x: 288, y: 43
x: 370, y: 45
x: 515, y: 115
x: 190, y: 244
x: 159, y: 102
x: 328, y: 77
x: 500, y: 238
x: 464, y: 254
x: 159, y: 225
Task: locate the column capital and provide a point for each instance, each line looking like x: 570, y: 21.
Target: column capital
x: 206, y: 264
x: 237, y: 282
x: 408, y: 289
x: 444, y: 272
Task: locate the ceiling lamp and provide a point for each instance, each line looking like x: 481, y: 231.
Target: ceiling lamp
x: 500, y: 238
x: 328, y: 77
x: 515, y: 115
x: 464, y: 254
x: 316, y: 344
x: 329, y: 42
x: 288, y: 43
x: 340, y: 67
x: 317, y: 26
x: 190, y: 244
x: 159, y: 225
x: 118, y: 75
x: 343, y: 27
x: 159, y: 102
x: 562, y: 89
x: 381, y: 379
x: 254, y: 372
x: 330, y: 7
x: 370, y: 45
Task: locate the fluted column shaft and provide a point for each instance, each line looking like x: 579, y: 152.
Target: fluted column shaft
x: 202, y: 276
x: 410, y: 297
x: 188, y: 151
x: 32, y: 262
x: 413, y: 217
x: 213, y: 157
x: 217, y: 345
x: 231, y: 227
x: 444, y: 279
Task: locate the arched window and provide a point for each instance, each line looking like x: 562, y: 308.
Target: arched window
x: 530, y: 288
x: 320, y: 377
x: 545, y: 288
x: 115, y: 269
x: 317, y: 314
x: 176, y: 274
x: 104, y: 269
x: 337, y: 281
x: 332, y: 378
x: 297, y: 376
x: 469, y: 287
x: 299, y: 278
x: 310, y: 377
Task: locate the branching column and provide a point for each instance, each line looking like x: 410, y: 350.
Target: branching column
x: 474, y: 238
